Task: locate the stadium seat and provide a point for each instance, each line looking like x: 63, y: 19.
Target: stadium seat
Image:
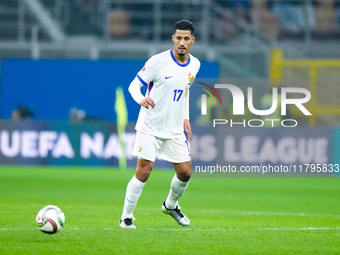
x: 119, y: 23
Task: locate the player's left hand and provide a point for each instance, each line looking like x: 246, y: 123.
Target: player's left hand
x: 147, y: 101
x: 187, y: 128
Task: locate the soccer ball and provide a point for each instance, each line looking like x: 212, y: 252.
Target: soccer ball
x: 50, y: 219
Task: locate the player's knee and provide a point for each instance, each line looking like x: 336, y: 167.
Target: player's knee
x: 183, y: 171
x: 184, y: 176
x: 146, y: 170
x: 143, y: 172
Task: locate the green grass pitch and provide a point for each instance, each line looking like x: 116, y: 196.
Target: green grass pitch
x: 228, y: 216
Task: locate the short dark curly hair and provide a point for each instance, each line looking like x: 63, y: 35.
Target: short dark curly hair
x: 184, y: 25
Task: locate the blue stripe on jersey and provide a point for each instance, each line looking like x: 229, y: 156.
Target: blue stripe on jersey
x: 141, y: 80
x: 173, y: 58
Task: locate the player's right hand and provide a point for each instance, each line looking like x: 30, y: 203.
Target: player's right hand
x: 147, y: 101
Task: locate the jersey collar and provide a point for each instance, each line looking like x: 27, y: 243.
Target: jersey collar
x: 173, y: 58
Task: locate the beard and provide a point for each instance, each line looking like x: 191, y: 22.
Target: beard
x: 181, y: 54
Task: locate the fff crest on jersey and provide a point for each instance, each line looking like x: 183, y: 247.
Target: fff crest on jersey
x: 191, y: 79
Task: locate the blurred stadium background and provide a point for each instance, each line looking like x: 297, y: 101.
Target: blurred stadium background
x: 65, y: 66
x: 62, y: 62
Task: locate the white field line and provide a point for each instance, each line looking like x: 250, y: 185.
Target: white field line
x: 226, y: 212
x: 188, y: 229
x: 251, y: 213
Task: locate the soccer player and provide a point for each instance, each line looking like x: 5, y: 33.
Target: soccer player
x: 162, y: 120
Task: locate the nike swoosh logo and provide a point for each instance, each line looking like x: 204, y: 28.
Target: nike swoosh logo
x: 168, y: 77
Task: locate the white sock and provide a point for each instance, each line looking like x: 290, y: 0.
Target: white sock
x: 133, y: 191
x: 176, y: 191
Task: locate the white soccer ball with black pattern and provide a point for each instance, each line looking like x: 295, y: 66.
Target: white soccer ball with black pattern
x: 50, y: 219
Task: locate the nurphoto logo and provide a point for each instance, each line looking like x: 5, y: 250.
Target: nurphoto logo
x: 239, y: 105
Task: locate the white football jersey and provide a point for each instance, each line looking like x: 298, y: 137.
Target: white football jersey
x: 168, y: 84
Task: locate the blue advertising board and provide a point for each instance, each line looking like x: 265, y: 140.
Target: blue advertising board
x: 52, y: 87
